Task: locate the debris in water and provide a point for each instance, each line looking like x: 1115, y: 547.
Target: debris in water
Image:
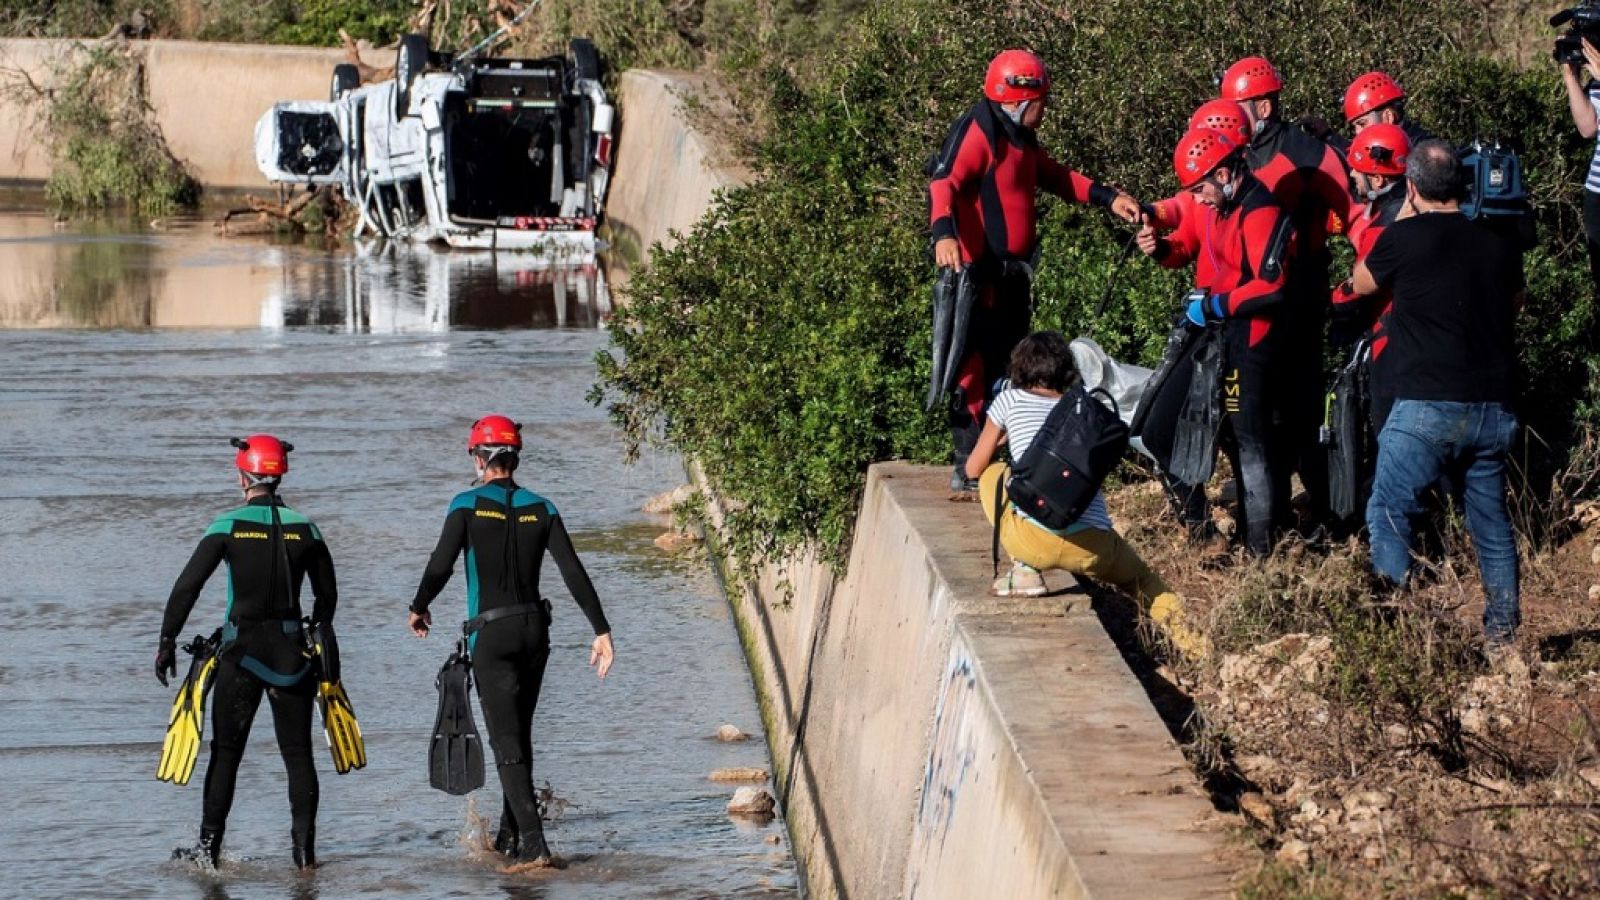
x: 751, y: 801
x: 664, y: 503
x: 758, y: 776
x: 677, y: 541
x: 730, y: 733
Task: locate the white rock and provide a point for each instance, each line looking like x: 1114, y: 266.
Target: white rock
x: 751, y: 801
x: 731, y: 733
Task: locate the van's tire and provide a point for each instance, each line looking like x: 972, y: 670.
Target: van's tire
x: 409, y: 62
x: 346, y: 77
x: 585, y: 58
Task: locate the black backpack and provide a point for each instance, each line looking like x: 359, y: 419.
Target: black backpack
x: 1079, y: 444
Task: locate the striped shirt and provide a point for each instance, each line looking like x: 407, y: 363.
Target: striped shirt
x: 1020, y: 415
x: 1592, y: 183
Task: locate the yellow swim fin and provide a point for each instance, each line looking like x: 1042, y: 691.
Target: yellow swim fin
x: 187, y: 721
x: 339, y: 724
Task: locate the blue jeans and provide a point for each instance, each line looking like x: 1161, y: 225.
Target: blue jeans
x: 1422, y: 439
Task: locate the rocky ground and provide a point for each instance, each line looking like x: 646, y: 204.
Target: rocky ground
x: 1371, y: 745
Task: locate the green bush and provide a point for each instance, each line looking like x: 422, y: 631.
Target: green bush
x: 783, y: 343
x: 317, y: 22
x: 105, y: 149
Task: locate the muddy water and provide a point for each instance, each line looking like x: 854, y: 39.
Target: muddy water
x: 114, y: 458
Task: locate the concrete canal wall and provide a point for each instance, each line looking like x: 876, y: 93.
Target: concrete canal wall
x: 206, y: 99
x: 667, y: 171
x: 932, y: 741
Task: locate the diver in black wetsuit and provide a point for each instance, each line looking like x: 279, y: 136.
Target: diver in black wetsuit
x: 505, y: 531
x: 269, y: 549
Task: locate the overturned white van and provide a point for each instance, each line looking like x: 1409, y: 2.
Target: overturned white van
x: 473, y: 152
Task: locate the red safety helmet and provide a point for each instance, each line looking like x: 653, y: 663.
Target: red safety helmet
x: 1224, y: 116
x: 1250, y: 78
x: 1371, y: 91
x: 494, y: 431
x: 1015, y: 76
x: 262, y: 455
x: 1199, y: 153
x: 1380, y: 150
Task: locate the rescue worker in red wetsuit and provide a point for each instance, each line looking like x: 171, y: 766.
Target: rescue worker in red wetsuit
x: 1378, y: 168
x: 983, y: 209
x: 1246, y: 237
x: 1185, y: 221
x: 1376, y: 99
x: 1310, y: 182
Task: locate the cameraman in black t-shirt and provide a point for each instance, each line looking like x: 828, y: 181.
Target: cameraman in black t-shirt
x: 1450, y: 369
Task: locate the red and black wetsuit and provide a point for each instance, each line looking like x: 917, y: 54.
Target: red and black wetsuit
x: 1248, y: 250
x: 984, y: 193
x: 1310, y: 182
x: 1369, y: 313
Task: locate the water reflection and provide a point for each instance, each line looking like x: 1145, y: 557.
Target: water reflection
x: 182, y: 274
x: 394, y: 288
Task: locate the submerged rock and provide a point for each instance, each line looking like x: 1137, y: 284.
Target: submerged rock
x: 730, y: 734
x: 678, y: 541
x: 751, y: 801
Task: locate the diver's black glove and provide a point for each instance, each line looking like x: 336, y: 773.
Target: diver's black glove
x: 166, y: 660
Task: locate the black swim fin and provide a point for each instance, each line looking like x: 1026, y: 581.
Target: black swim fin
x: 944, y: 311
x: 966, y: 294
x: 1194, y: 444
x: 1344, y: 433
x: 455, y: 758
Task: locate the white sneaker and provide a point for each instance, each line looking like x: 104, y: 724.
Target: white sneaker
x: 1022, y: 581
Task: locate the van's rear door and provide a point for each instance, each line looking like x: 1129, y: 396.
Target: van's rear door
x: 302, y: 142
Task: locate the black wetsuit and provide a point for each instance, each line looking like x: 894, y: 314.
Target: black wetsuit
x: 263, y: 649
x: 504, y: 556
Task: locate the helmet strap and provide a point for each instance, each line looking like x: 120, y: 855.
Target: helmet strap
x: 268, y: 483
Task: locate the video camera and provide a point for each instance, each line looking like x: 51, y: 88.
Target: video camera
x: 1582, y: 21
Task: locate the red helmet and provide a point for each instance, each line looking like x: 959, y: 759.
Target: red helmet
x: 1015, y: 76
x: 494, y: 431
x: 1380, y: 150
x: 262, y: 455
x: 1223, y: 116
x: 1199, y: 152
x: 1250, y: 78
x: 1371, y: 91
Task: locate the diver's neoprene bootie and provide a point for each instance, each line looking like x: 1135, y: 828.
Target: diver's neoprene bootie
x: 505, y: 840
x: 305, y: 850
x: 531, y: 846
x: 206, y: 852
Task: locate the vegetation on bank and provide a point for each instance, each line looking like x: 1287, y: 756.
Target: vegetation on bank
x: 105, y: 148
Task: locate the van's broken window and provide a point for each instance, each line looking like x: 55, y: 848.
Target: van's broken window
x: 308, y: 143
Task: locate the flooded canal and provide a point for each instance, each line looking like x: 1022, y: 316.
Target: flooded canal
x: 129, y: 356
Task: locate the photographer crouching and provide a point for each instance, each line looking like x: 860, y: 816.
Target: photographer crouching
x: 1450, y: 371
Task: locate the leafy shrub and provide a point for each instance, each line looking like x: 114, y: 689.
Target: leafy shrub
x: 783, y: 343
x: 317, y: 22
x: 106, y: 150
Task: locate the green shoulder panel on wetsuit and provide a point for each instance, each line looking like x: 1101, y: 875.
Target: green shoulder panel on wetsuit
x: 259, y: 515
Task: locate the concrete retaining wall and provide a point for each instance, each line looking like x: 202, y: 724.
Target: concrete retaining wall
x: 667, y: 172
x: 931, y: 741
x: 206, y: 99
